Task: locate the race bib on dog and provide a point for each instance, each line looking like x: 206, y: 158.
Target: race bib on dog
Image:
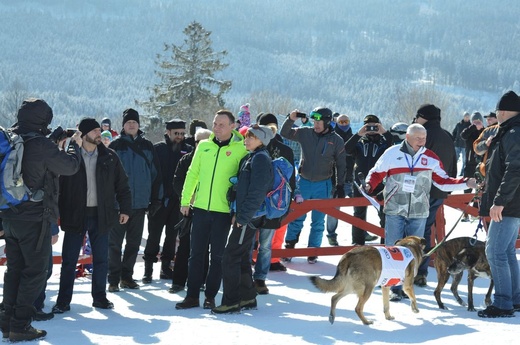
x: 394, y: 262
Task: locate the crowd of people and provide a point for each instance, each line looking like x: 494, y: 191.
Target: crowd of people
x: 99, y: 185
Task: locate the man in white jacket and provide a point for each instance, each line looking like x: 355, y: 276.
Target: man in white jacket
x: 410, y: 169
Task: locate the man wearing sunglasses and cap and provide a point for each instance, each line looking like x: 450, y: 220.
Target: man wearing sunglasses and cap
x: 321, y: 149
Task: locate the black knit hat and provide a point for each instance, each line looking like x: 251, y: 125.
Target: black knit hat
x: 266, y: 119
x: 175, y: 124
x: 87, y: 124
x: 130, y: 114
x: 509, y: 102
x: 429, y: 112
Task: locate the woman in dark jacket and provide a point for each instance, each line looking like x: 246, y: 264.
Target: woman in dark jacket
x: 255, y: 180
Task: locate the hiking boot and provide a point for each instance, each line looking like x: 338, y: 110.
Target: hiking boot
x: 516, y: 307
x: 420, y: 280
x: 176, y: 288
x: 40, y: 315
x: 129, y: 284
x: 465, y: 219
x: 148, y: 270
x: 209, y: 303
x: 397, y: 296
x: 146, y: 280
x: 493, y: 312
x: 189, y: 302
x: 103, y: 304
x: 113, y: 288
x: 226, y: 309
x: 277, y: 266
x: 312, y: 259
x: 248, y: 304
x: 261, y: 289
x: 333, y: 241
x: 60, y: 308
x: 370, y: 238
x: 29, y: 333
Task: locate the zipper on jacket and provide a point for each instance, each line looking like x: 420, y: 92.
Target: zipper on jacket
x: 213, y: 177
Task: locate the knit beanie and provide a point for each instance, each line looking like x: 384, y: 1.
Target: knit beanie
x: 476, y: 116
x: 429, y: 112
x: 87, y: 124
x: 130, y: 114
x: 509, y: 102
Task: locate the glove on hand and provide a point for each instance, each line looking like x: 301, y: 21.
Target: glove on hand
x: 298, y: 198
x: 339, y: 192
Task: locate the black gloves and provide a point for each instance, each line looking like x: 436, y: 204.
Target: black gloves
x: 339, y: 192
x: 153, y: 208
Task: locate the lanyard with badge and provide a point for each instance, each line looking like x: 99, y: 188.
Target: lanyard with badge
x: 410, y: 180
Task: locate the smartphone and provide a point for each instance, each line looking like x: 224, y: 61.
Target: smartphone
x: 301, y: 115
x: 373, y: 128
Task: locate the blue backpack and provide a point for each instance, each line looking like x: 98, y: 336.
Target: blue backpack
x: 278, y: 200
x: 13, y: 190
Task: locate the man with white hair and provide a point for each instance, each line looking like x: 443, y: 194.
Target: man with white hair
x: 410, y: 169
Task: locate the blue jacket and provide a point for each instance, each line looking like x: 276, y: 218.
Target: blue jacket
x: 142, y: 167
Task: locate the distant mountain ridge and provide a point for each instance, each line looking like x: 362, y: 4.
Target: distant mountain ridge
x: 95, y: 58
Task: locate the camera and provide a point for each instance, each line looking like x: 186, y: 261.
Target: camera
x: 372, y: 128
x: 70, y: 132
x: 301, y: 115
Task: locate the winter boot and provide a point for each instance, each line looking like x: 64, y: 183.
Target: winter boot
x: 148, y: 270
x: 289, y: 245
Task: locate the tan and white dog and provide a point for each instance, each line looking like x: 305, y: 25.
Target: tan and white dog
x: 360, y: 270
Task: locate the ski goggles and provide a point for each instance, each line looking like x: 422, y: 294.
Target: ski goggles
x: 315, y: 116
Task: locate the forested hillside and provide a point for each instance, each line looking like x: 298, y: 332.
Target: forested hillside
x: 97, y: 57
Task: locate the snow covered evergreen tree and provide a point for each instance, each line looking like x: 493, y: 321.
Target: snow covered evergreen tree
x: 188, y: 87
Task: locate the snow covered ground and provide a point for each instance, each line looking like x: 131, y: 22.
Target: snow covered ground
x: 294, y: 312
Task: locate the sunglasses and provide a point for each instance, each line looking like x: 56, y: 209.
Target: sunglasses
x: 182, y: 134
x: 346, y: 122
x: 315, y: 116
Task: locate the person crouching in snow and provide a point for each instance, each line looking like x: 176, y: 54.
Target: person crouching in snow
x: 255, y: 179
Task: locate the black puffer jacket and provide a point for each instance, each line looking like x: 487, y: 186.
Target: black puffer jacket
x: 459, y: 127
x: 503, y: 170
x: 255, y: 180
x: 111, y: 184
x: 440, y: 141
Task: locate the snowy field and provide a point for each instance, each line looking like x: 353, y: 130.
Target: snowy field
x: 293, y: 313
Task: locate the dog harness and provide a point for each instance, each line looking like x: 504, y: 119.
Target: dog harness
x: 394, y: 262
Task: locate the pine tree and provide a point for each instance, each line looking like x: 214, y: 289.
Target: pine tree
x: 188, y: 88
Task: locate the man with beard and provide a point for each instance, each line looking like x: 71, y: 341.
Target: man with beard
x: 87, y: 205
x: 169, y: 153
x: 366, y: 146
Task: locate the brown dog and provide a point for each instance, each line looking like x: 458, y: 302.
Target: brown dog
x: 358, y: 272
x: 455, y: 256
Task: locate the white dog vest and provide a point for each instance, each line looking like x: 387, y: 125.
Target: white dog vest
x: 394, y: 260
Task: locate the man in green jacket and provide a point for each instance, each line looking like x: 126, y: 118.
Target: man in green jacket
x: 215, y: 161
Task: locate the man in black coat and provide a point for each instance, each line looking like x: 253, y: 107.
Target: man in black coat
x: 439, y: 141
x: 88, y: 204
x: 169, y: 152
x: 460, y: 144
x: 27, y: 228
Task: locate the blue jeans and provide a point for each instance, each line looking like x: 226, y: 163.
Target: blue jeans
x: 501, y: 254
x: 311, y: 190
x: 398, y: 227
x: 72, y: 243
x: 434, y: 206
x: 263, y: 258
x: 461, y: 152
x: 332, y: 223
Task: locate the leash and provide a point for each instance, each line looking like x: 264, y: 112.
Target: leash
x: 476, y: 197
